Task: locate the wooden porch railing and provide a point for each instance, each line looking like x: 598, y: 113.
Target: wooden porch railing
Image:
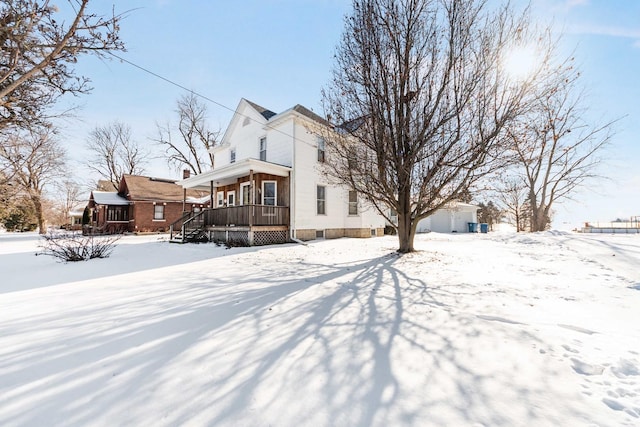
x: 247, y: 215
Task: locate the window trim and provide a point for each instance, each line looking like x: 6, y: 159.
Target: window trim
x: 321, y: 150
x: 232, y: 155
x: 352, y: 204
x: 262, y: 149
x: 155, y: 217
x: 275, y: 192
x: 220, y: 199
x: 244, y: 185
x: 324, y: 200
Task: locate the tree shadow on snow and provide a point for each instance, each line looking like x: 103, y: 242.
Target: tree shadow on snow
x: 339, y: 340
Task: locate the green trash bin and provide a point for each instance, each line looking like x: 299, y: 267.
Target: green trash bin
x: 484, y: 228
x: 473, y: 227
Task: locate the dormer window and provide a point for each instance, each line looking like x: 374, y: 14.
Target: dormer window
x: 232, y: 158
x: 263, y: 148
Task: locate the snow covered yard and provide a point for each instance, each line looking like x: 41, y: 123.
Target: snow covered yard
x: 474, y: 330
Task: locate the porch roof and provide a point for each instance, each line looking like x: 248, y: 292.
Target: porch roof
x: 230, y: 173
x: 108, y: 198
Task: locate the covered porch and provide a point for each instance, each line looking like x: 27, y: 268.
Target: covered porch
x: 249, y: 205
x: 109, y: 213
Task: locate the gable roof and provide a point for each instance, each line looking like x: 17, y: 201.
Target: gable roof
x: 310, y: 114
x: 137, y: 187
x: 267, y: 114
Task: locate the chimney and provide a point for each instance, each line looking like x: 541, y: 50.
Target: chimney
x: 186, y: 173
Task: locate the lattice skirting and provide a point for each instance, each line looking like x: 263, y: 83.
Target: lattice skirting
x: 242, y: 238
x: 270, y: 237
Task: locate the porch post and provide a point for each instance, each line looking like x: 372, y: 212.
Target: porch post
x: 252, y: 201
x: 186, y: 173
x: 210, y: 194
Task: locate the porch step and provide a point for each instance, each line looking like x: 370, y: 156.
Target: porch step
x: 191, y: 236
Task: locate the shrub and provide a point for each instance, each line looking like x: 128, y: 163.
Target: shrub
x: 71, y: 246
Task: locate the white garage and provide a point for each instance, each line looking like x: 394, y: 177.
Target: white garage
x: 451, y: 219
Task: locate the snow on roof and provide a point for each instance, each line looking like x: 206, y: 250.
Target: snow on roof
x: 108, y: 198
x: 199, y: 200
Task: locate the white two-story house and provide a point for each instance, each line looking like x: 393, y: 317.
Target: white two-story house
x: 267, y: 185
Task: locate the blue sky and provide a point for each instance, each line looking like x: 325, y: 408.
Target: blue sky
x: 278, y: 53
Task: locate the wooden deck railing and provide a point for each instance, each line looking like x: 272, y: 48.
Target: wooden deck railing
x: 247, y: 215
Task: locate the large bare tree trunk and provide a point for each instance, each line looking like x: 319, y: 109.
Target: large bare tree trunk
x: 36, y: 201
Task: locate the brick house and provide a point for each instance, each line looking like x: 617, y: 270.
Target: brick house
x: 141, y: 204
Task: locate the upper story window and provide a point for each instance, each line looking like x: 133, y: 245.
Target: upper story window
x: 232, y: 158
x: 263, y: 148
x: 353, y: 202
x: 321, y: 149
x: 321, y: 192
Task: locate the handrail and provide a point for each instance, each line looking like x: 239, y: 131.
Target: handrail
x: 181, y: 219
x: 183, y: 229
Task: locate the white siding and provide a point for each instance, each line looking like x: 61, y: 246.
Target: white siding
x: 449, y: 220
x: 307, y: 175
x: 279, y: 143
x: 290, y: 143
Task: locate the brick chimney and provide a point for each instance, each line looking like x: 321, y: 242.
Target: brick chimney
x: 186, y: 173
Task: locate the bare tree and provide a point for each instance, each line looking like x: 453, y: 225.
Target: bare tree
x: 418, y: 87
x: 556, y: 148
x: 513, y: 197
x: 36, y: 159
x: 114, y: 153
x: 191, y: 149
x: 38, y: 52
x: 67, y: 199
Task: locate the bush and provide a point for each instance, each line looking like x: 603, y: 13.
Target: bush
x: 76, y: 247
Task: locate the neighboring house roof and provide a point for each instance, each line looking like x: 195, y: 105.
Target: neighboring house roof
x: 267, y: 114
x: 136, y: 187
x: 106, y: 185
x: 108, y: 198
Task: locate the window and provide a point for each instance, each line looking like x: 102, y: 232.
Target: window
x: 269, y: 193
x: 320, y: 200
x: 233, y: 156
x: 263, y: 148
x: 220, y: 198
x: 231, y: 198
x: 158, y: 212
x: 353, y: 203
x: 118, y: 213
x: 245, y: 193
x: 352, y: 164
x: 321, y: 153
